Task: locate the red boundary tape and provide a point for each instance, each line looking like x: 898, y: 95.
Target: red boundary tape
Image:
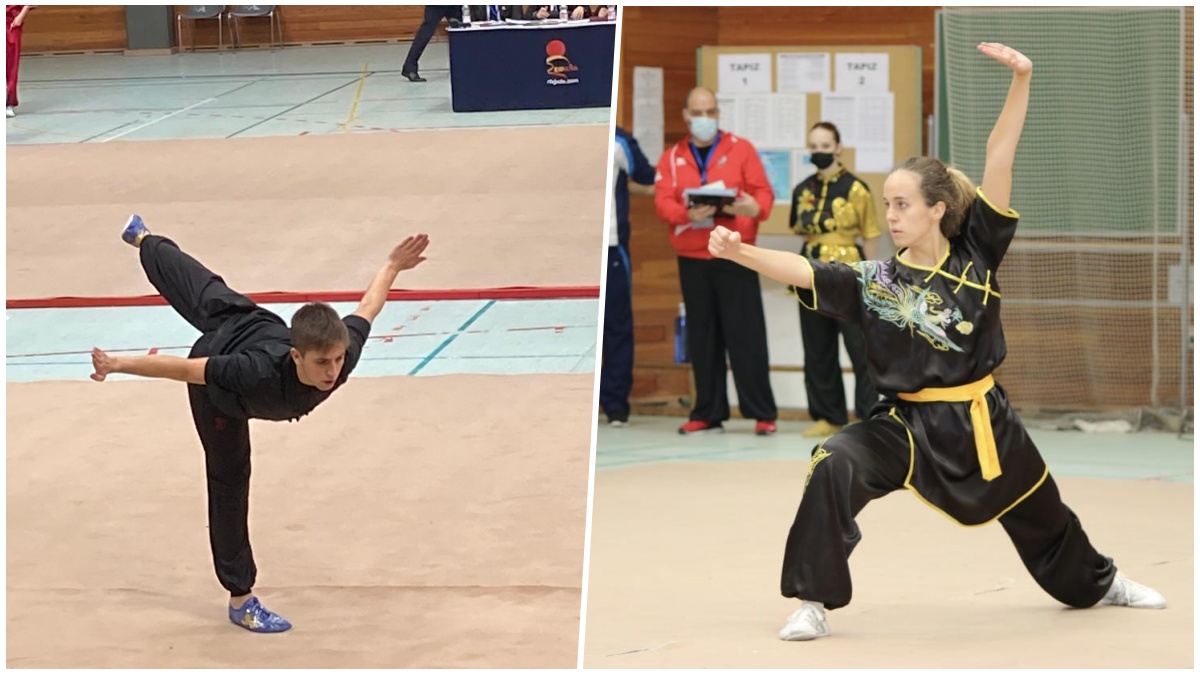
x: 504, y: 293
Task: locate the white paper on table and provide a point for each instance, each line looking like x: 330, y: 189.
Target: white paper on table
x: 789, y: 121
x: 803, y: 73
x: 754, y: 118
x: 648, y: 111
x: 842, y: 110
x: 744, y: 73
x: 861, y: 73
x: 728, y: 104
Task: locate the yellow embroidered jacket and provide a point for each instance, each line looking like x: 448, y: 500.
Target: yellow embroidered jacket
x: 832, y: 213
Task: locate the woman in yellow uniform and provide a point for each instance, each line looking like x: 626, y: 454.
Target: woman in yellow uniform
x: 832, y: 209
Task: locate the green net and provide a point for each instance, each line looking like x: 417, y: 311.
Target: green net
x: 1097, y: 300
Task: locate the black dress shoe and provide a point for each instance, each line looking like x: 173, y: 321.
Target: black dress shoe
x: 413, y: 76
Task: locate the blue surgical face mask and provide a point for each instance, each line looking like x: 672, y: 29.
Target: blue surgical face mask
x: 703, y: 129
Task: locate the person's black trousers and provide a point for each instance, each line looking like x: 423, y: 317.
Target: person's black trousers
x: 616, y: 366
x: 433, y: 16
x: 868, y: 460
x: 202, y: 298
x: 723, y: 301
x: 823, y: 368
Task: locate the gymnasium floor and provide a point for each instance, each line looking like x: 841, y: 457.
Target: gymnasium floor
x: 703, y: 522
x: 248, y: 93
x: 432, y: 512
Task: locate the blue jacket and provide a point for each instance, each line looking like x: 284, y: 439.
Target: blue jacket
x: 642, y: 171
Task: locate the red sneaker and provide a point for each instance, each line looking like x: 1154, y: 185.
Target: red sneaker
x: 700, y: 427
x: 765, y: 427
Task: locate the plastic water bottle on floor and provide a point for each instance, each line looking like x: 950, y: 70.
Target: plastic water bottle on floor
x: 681, y: 350
x: 466, y: 15
x: 562, y: 13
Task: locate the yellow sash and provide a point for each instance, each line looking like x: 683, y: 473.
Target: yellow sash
x: 981, y: 419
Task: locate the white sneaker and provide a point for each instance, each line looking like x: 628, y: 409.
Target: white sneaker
x: 9, y: 112
x: 806, y: 623
x: 1128, y: 593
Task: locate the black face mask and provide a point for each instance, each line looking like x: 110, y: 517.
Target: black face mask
x: 822, y: 160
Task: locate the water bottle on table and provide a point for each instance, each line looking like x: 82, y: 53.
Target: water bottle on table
x: 612, y: 13
x: 563, y: 15
x: 466, y: 15
x: 681, y: 350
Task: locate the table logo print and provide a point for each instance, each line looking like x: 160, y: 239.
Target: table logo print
x: 558, y: 66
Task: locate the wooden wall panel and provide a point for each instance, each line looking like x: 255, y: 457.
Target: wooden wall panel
x: 322, y: 23
x: 68, y: 28
x: 667, y: 38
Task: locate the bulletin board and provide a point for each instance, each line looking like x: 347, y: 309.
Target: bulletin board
x: 903, y: 81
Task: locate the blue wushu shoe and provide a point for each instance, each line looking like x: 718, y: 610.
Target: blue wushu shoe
x: 258, y: 619
x: 135, y: 230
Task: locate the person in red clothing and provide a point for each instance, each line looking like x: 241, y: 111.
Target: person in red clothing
x: 723, y: 300
x: 14, y: 22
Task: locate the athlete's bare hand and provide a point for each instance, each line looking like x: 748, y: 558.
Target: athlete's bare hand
x: 102, y: 363
x: 408, y: 254
x: 1018, y: 62
x: 724, y: 243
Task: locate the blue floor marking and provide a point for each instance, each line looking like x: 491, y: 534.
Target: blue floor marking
x: 447, y: 341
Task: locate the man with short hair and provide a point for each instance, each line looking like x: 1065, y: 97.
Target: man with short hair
x: 247, y: 365
x: 723, y: 300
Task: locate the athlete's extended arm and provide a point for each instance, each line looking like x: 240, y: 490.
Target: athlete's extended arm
x: 156, y: 365
x: 1002, y: 144
x: 405, y: 256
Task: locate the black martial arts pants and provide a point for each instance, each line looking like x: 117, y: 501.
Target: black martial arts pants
x: 823, y: 368
x: 868, y: 460
x: 433, y: 16
x: 723, y: 301
x: 202, y: 298
x: 616, y: 366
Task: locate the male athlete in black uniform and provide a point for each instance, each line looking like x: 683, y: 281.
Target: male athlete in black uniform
x: 247, y: 365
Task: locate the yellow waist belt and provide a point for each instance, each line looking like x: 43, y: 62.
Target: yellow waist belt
x: 981, y: 419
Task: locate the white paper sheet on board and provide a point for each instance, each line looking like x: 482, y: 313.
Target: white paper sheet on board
x: 754, y: 118
x: 842, y: 110
x: 744, y: 73
x: 648, y: 111
x: 803, y: 73
x: 876, y: 133
x: 789, y: 120
x: 861, y: 73
x: 728, y: 105
x: 873, y: 159
x: 876, y: 119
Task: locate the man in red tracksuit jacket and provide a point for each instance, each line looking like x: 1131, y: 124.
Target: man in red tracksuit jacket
x: 722, y: 299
